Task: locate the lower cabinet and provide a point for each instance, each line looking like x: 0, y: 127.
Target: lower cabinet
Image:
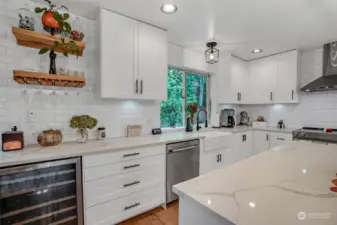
x: 121, y: 185
x: 264, y: 140
x: 223, y: 151
x: 261, y: 141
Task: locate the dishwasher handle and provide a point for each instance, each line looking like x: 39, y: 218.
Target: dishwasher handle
x: 183, y: 149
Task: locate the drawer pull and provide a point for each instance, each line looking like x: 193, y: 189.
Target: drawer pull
x: 132, y: 166
x: 281, y: 139
x: 131, y: 206
x: 131, y: 184
x: 133, y: 154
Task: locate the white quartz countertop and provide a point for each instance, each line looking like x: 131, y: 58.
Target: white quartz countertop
x: 37, y: 153
x: 286, y: 185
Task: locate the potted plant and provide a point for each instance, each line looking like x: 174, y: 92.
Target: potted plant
x: 82, y: 123
x: 191, y: 110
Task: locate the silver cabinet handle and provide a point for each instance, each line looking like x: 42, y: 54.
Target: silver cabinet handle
x: 281, y: 139
x: 132, y: 166
x: 292, y: 94
x: 130, y: 155
x: 271, y: 96
x: 238, y: 96
x: 131, y: 206
x: 141, y: 87
x: 267, y: 137
x: 131, y: 184
x: 220, y: 157
x: 137, y: 86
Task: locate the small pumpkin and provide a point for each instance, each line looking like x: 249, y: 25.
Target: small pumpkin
x: 48, y: 20
x: 50, y: 138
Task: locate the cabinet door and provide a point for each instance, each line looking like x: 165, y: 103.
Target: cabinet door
x: 209, y: 161
x: 286, y: 91
x: 261, y: 141
x: 239, y: 91
x: 152, y: 58
x: 117, y: 55
x: 263, y: 79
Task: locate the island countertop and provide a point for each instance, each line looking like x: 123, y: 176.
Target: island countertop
x: 286, y: 185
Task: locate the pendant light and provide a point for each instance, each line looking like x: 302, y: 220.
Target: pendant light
x: 212, y: 53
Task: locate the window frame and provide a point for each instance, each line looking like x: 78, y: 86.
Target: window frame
x: 184, y: 94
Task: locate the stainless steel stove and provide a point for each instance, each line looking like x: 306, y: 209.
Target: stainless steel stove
x: 316, y: 134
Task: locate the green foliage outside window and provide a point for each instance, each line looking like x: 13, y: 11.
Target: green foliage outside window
x: 173, y: 110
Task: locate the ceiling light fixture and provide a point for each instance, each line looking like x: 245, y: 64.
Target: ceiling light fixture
x: 212, y: 53
x: 257, y: 50
x: 169, y: 8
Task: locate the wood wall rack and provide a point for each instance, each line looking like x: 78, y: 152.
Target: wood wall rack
x: 33, y: 78
x: 37, y: 40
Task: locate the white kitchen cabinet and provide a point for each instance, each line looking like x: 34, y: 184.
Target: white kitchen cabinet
x: 117, y: 55
x: 244, y: 144
x: 232, y: 78
x: 267, y: 80
x: 278, y: 139
x: 261, y: 141
x: 152, y: 61
x: 287, y: 79
x: 133, y: 58
x: 263, y: 80
x: 120, y: 185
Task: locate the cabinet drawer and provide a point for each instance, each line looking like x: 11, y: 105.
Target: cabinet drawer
x: 109, y: 158
x: 129, y: 166
x: 279, y: 139
x: 123, y: 208
x: 110, y: 188
x: 218, y: 143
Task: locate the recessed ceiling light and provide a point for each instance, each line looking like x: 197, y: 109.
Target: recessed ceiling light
x: 169, y: 8
x: 257, y: 50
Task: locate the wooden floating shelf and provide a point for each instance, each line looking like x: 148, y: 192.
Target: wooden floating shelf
x: 33, y: 78
x: 37, y: 40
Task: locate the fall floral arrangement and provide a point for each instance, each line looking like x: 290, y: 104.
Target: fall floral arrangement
x: 55, y: 21
x: 191, y: 110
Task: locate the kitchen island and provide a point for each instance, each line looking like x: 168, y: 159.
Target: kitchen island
x: 286, y: 185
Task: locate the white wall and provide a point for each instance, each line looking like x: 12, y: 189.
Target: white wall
x: 34, y: 113
x: 315, y: 109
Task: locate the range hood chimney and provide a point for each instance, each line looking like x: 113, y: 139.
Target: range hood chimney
x: 328, y: 81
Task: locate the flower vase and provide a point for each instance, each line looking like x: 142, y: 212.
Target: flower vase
x: 82, y: 135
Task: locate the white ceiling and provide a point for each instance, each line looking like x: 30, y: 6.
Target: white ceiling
x: 239, y: 25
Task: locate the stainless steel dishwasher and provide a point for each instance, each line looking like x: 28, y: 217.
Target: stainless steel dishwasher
x: 182, y: 164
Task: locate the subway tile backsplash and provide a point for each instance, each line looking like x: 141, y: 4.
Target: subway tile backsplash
x: 34, y: 112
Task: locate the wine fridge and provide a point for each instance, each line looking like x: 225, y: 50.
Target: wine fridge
x: 42, y: 193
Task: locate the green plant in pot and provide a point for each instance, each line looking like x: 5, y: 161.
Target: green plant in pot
x: 82, y: 123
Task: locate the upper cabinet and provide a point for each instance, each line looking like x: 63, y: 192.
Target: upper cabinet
x: 268, y: 80
x: 287, y: 79
x: 262, y: 80
x: 133, y: 58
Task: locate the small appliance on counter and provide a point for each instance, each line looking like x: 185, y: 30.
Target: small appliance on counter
x: 227, y: 118
x: 13, y: 140
x: 281, y: 125
x: 244, y: 119
x: 101, y: 134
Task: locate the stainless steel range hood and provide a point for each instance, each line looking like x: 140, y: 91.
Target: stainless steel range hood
x: 329, y: 79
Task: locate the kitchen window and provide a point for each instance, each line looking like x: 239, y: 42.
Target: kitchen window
x: 183, y: 88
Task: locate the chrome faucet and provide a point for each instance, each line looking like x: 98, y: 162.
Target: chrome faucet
x: 206, y: 122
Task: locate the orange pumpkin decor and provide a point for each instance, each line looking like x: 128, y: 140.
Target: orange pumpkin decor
x: 48, y: 20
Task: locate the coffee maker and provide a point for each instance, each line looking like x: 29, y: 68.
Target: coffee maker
x: 227, y: 118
